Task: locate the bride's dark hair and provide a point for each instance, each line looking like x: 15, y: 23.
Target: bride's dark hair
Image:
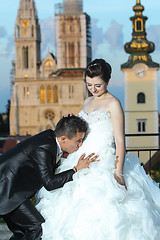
x: 99, y: 68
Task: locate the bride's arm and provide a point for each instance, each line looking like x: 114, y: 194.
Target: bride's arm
x: 117, y: 117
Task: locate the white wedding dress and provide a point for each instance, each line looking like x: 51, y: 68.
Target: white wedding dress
x: 94, y: 206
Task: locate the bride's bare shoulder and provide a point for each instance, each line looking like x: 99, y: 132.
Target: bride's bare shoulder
x: 87, y: 101
x: 113, y: 102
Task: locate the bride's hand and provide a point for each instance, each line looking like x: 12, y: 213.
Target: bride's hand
x: 119, y: 178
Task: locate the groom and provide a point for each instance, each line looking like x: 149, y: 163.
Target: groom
x: 31, y: 165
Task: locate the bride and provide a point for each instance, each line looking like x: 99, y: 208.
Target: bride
x: 113, y: 199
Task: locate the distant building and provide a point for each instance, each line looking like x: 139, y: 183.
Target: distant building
x: 45, y: 90
x: 140, y: 75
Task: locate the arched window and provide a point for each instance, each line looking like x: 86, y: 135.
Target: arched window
x: 43, y: 93
x: 141, y: 125
x: 25, y: 57
x: 49, y: 94
x: 71, y: 91
x: 17, y: 31
x: 63, y: 28
x: 32, y: 31
x: 71, y: 54
x: 139, y: 25
x: 55, y: 94
x: 49, y: 63
x: 27, y: 91
x: 141, y: 98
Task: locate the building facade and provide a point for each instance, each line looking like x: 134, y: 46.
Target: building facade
x: 140, y: 76
x: 45, y: 90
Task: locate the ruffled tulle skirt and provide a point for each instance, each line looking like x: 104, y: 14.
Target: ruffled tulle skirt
x: 95, y: 207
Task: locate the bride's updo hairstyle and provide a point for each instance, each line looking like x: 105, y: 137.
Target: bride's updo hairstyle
x: 99, y: 68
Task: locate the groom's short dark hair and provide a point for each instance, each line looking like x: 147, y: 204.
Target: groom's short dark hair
x: 69, y: 126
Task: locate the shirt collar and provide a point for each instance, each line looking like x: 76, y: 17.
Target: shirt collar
x: 59, y: 150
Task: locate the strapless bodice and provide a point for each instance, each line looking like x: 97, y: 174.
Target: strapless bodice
x: 96, y: 116
x: 100, y: 131
x: 100, y: 125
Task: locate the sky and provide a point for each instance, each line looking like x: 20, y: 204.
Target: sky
x: 111, y: 29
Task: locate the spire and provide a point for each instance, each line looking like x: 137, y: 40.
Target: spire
x: 139, y: 47
x: 27, y: 24
x: 26, y: 5
x: 27, y: 39
x: 138, y: 2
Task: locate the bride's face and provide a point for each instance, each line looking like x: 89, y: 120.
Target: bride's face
x: 96, y: 86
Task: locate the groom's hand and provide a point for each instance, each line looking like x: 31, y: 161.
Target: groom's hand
x: 84, y: 161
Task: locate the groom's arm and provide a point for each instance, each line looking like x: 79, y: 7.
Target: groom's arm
x: 45, y: 168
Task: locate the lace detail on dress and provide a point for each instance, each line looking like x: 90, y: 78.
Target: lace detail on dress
x: 95, y: 116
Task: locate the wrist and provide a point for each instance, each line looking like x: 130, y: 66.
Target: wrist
x: 75, y: 169
x: 119, y: 174
x: 118, y: 171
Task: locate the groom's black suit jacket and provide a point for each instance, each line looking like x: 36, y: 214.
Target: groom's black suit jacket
x: 26, y: 168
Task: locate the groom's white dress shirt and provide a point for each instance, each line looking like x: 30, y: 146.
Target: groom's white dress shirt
x: 59, y: 151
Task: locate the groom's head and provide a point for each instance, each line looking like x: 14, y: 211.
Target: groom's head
x: 70, y: 132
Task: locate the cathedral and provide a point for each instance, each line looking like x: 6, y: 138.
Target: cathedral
x: 46, y: 89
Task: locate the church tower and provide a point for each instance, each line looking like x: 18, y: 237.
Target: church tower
x: 27, y: 40
x: 24, y: 100
x: 72, y: 35
x: 140, y: 75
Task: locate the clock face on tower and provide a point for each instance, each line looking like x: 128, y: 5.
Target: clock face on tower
x: 140, y: 71
x: 25, y: 23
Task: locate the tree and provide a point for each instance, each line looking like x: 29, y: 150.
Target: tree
x: 4, y: 121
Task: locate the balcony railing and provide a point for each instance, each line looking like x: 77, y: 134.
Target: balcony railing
x: 153, y: 153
